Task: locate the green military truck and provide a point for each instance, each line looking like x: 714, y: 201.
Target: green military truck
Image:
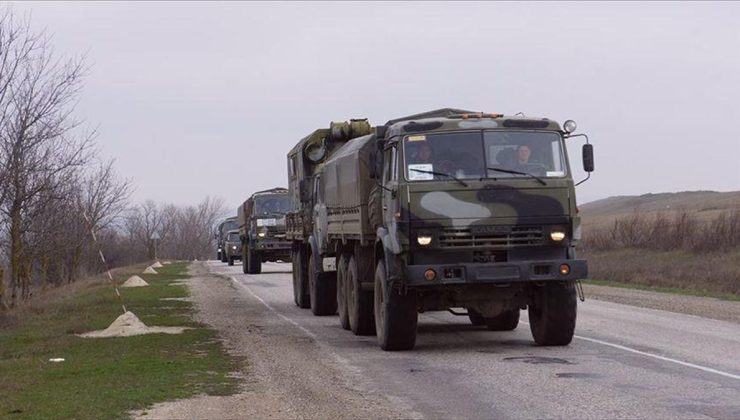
x: 232, y: 246
x: 441, y: 210
x: 305, y: 161
x: 262, y: 229
x: 221, y: 232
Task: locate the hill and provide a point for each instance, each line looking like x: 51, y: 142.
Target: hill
x: 704, y: 204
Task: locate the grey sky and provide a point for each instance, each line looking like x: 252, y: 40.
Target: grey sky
x: 197, y: 99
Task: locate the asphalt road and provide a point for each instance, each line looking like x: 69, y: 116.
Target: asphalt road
x: 625, y: 362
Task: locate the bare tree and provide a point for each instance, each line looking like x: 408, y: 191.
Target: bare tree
x: 39, y: 139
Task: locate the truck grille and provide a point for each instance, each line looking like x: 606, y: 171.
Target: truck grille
x: 494, y: 237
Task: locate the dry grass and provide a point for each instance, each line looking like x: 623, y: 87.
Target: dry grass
x: 687, y: 240
x: 710, y: 272
x: 667, y: 232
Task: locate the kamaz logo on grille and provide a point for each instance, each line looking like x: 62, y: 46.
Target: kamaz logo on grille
x: 490, y: 230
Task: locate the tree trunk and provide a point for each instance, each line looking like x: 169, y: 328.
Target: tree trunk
x: 75, y: 264
x: 16, y: 252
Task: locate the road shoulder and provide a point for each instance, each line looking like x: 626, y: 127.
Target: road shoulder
x: 692, y: 305
x: 285, y: 373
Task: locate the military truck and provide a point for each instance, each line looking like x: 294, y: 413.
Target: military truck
x: 305, y: 161
x: 441, y: 210
x: 228, y: 224
x: 262, y: 229
x: 232, y: 246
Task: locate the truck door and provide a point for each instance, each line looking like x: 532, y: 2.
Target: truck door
x: 390, y: 199
x: 319, y: 213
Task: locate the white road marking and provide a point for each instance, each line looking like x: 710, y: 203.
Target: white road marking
x: 592, y: 340
x: 359, y: 382
x: 655, y: 356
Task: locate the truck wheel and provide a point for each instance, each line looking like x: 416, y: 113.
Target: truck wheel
x: 475, y: 317
x: 552, y: 314
x: 231, y: 260
x: 223, y: 257
x: 395, y: 314
x: 218, y: 256
x: 323, y: 290
x: 254, y: 265
x: 342, y: 291
x: 300, y: 282
x: 359, y: 302
x: 244, y: 260
x: 506, y: 321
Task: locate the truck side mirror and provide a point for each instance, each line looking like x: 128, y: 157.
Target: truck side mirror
x: 304, y: 191
x: 588, y: 157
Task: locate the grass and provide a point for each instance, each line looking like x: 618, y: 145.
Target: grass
x: 672, y: 290
x: 710, y: 274
x: 108, y: 377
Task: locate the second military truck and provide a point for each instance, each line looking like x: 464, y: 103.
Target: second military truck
x: 441, y: 210
x: 262, y: 229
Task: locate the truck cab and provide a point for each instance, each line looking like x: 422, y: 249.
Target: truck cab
x: 262, y: 229
x: 479, y: 212
x: 233, y: 246
x: 227, y: 225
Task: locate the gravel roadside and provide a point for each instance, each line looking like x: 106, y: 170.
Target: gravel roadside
x: 286, y: 374
x: 706, y: 307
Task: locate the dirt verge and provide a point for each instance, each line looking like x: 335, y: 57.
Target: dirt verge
x: 693, y: 305
x: 285, y: 373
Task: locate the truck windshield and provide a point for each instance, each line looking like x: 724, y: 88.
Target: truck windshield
x: 229, y: 225
x: 467, y: 155
x: 233, y: 237
x: 272, y: 204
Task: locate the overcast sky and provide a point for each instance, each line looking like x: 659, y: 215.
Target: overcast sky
x: 196, y: 99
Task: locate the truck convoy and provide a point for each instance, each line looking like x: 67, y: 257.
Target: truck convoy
x: 221, y: 233
x: 434, y: 211
x: 261, y: 221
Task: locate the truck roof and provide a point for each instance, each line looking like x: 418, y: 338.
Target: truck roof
x: 454, y: 122
x: 276, y: 190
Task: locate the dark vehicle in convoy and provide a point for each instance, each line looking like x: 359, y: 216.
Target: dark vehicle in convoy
x: 233, y: 246
x: 435, y: 211
x: 228, y: 224
x: 262, y: 229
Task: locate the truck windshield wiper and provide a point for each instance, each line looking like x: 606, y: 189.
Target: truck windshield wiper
x: 510, y: 171
x: 440, y: 174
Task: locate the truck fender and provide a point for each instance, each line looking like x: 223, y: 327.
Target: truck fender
x: 383, y: 243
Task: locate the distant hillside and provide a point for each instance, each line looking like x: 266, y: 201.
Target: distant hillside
x: 706, y: 204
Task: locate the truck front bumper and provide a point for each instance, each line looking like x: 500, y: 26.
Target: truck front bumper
x: 273, y: 245
x: 495, y: 273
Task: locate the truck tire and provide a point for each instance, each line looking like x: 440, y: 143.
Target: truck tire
x: 218, y: 256
x: 323, y: 289
x: 254, y: 264
x: 395, y: 314
x: 552, y: 314
x: 300, y: 280
x: 475, y: 317
x: 231, y: 260
x: 359, y: 302
x: 223, y: 257
x: 506, y: 321
x: 342, y: 291
x: 244, y: 259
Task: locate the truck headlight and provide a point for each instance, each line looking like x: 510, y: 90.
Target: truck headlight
x: 261, y: 234
x: 233, y: 247
x: 557, y: 235
x: 424, y: 240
